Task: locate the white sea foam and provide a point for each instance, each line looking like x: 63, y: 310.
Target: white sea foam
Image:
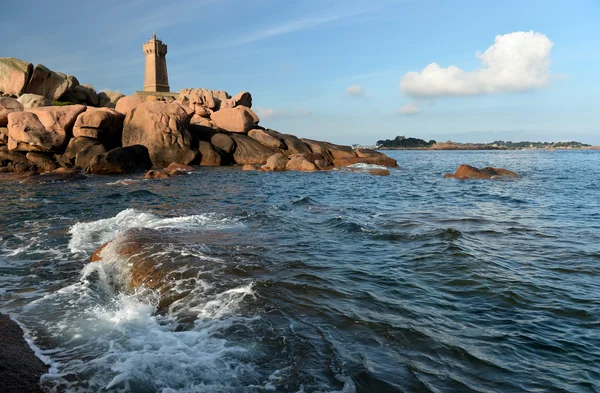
x: 122, y: 182
x: 366, y: 167
x: 131, y: 348
x: 88, y: 236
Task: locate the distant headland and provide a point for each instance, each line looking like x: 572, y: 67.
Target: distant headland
x: 404, y: 143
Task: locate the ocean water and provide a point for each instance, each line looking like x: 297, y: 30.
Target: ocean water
x: 316, y: 282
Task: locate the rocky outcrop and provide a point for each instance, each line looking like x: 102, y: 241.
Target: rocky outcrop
x: 121, y: 160
x: 47, y: 83
x: 34, y: 101
x: 163, y: 129
x: 84, y: 157
x: 14, y: 75
x: 239, y: 119
x: 103, y: 124
x: 243, y: 98
x: 299, y: 162
x: 208, y: 155
x: 75, y: 146
x: 266, y: 139
x: 249, y: 151
x: 8, y: 105
x: 208, y: 100
x: 42, y: 129
x: 20, y: 369
x: 43, y: 162
x: 381, y: 159
x: 57, y: 175
x: 293, y: 144
x: 154, y: 174
x: 277, y: 162
x: 465, y: 172
x: 109, y: 99
x: 223, y: 142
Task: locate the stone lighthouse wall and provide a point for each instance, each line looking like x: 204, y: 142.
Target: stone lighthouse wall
x: 156, y: 77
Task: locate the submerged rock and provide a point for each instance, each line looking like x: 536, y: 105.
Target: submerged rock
x: 465, y: 172
x: 57, y: 175
x: 20, y: 369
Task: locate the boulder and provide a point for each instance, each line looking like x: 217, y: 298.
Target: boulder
x: 85, y: 94
x: 208, y: 155
x: 43, y: 129
x: 151, y: 174
x: 84, y: 157
x: 249, y: 167
x: 162, y: 128
x: 205, y: 98
x: 20, y: 368
x: 249, y: 151
x: 57, y: 175
x: 8, y: 105
x: 34, y: 101
x: 223, y: 142
x: 465, y: 172
x: 12, y: 156
x: 239, y: 119
x: 277, y: 162
x: 121, y: 160
x: 75, y: 146
x: 330, y: 150
x: 3, y: 135
x: 243, y: 98
x: 127, y: 103
x: 109, y: 99
x: 379, y: 172
x: 367, y: 153
x: 292, y: 143
x: 47, y: 83
x: 202, y: 121
x: 14, y: 75
x: 175, y: 166
x: 104, y: 124
x: 382, y: 160
x: 44, y: 162
x: 266, y: 139
x: 298, y: 162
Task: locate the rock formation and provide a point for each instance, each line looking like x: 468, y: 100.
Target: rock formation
x: 20, y: 369
x: 465, y: 172
x: 49, y: 120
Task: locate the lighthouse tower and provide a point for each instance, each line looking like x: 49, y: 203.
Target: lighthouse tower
x: 156, y: 78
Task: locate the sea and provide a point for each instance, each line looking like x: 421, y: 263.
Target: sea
x: 335, y: 281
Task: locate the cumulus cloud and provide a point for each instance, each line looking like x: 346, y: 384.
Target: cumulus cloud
x: 409, y: 109
x: 274, y: 113
x: 516, y: 62
x: 355, y: 91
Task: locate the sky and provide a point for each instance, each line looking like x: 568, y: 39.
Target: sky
x: 350, y: 72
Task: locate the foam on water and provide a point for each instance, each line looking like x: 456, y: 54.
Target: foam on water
x: 105, y: 340
x: 88, y: 236
x: 366, y: 167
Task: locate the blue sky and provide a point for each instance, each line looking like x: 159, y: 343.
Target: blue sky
x: 331, y: 69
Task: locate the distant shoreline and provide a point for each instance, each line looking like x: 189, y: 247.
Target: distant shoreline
x: 490, y: 148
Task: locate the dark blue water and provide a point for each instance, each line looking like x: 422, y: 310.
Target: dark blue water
x: 318, y: 282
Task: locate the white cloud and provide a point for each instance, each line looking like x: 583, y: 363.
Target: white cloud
x: 517, y: 61
x: 274, y: 113
x: 409, y: 109
x: 355, y: 91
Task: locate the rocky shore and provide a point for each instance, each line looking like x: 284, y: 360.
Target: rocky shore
x: 50, y: 123
x: 20, y: 369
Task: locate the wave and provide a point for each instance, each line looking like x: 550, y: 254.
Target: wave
x: 88, y: 236
x: 130, y: 347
